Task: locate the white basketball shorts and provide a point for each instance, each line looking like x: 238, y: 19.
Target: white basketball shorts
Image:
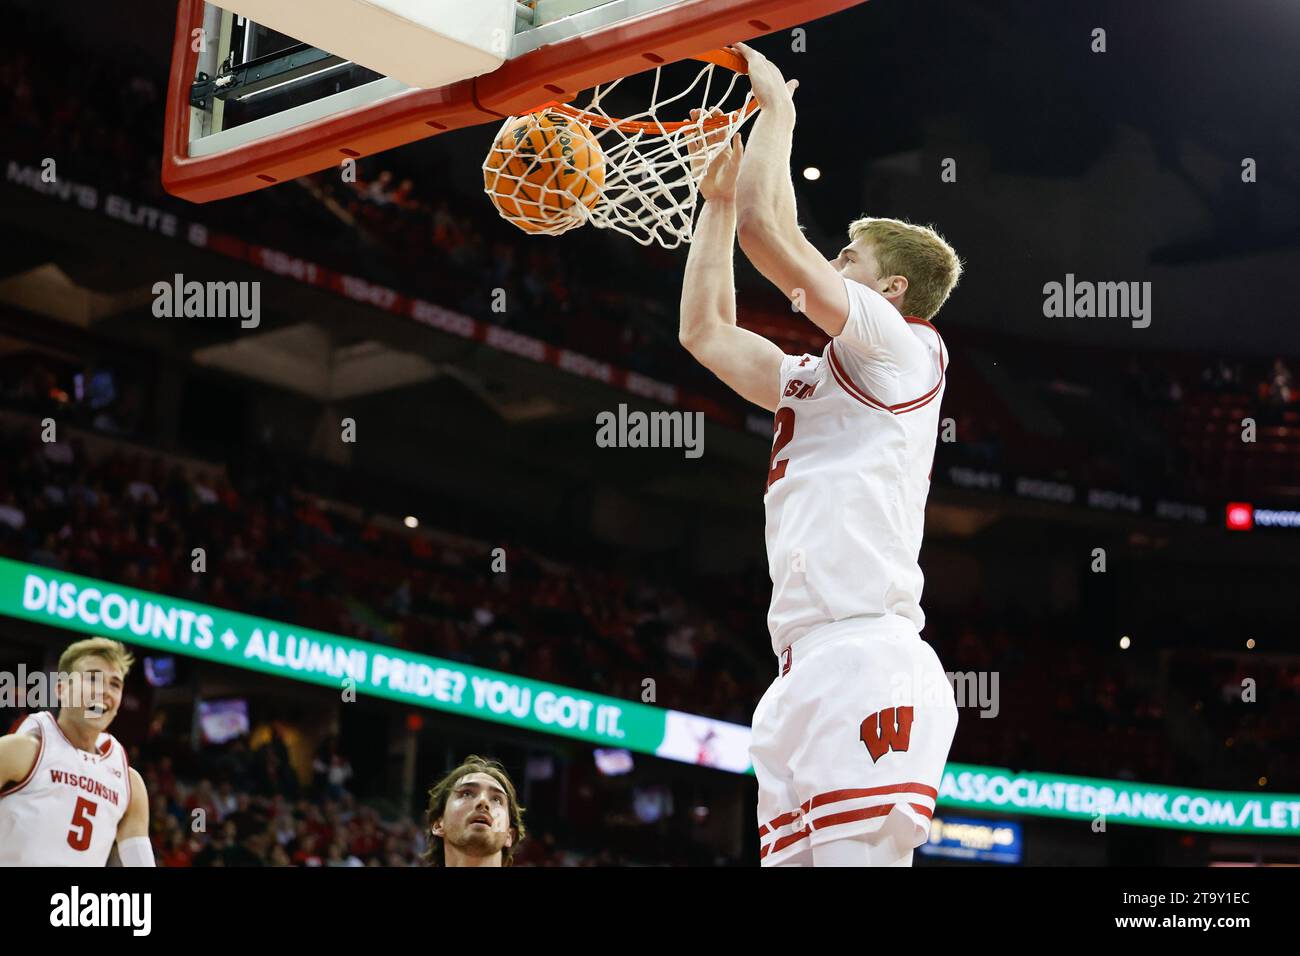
x: 856, y: 727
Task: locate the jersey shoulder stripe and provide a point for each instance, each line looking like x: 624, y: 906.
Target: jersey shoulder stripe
x: 846, y: 382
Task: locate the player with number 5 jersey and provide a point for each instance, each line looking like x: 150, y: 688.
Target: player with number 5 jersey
x: 68, y: 795
x: 850, y: 740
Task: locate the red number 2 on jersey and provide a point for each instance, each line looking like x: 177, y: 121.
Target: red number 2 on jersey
x: 82, y: 826
x: 784, y: 425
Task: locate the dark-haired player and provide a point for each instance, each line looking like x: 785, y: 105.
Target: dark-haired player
x: 474, y: 816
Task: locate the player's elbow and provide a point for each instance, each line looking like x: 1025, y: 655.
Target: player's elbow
x: 761, y: 236
x: 692, y: 339
x: 755, y: 223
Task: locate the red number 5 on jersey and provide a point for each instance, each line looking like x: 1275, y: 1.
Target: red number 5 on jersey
x: 82, y: 827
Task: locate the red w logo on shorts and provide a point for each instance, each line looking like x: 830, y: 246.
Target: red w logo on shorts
x: 890, y: 729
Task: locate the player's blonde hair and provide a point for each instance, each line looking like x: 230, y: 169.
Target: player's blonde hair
x: 441, y: 791
x: 110, y: 650
x: 922, y: 255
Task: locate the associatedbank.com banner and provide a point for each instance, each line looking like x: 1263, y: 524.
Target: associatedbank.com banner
x: 165, y: 624
x: 1119, y: 801
x: 161, y: 623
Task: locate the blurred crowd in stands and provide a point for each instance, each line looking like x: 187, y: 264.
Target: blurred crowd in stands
x: 97, y: 398
x: 287, y: 556
x: 1171, y: 429
x: 1248, y: 708
x: 1175, y: 716
x: 235, y: 813
x: 237, y: 822
x: 1271, y: 389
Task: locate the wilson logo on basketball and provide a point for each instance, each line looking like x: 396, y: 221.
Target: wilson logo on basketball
x: 889, y: 729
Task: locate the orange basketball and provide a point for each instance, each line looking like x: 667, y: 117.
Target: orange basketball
x: 542, y: 169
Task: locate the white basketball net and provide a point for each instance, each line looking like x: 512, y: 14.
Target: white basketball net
x: 650, y: 184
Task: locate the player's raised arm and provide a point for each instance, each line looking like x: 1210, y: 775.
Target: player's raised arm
x: 767, y: 222
x: 748, y: 363
x: 133, y: 846
x: 18, y: 755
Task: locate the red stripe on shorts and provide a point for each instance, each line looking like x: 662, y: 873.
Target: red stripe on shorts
x: 835, y: 796
x: 852, y: 816
x: 866, y: 813
x: 788, y: 840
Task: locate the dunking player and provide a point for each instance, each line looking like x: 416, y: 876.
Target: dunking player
x: 474, y: 817
x: 67, y: 794
x: 850, y: 740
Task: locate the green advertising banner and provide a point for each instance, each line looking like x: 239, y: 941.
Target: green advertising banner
x: 166, y: 624
x: 163, y: 624
x: 1119, y: 801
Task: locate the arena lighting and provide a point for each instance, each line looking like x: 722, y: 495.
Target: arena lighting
x: 613, y: 762
x: 1240, y: 516
x: 1124, y: 643
x: 411, y: 521
x: 812, y: 174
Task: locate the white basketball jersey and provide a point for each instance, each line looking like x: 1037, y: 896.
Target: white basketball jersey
x: 853, y: 449
x: 66, y: 812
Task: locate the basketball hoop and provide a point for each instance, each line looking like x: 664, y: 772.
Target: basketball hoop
x: 637, y: 175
